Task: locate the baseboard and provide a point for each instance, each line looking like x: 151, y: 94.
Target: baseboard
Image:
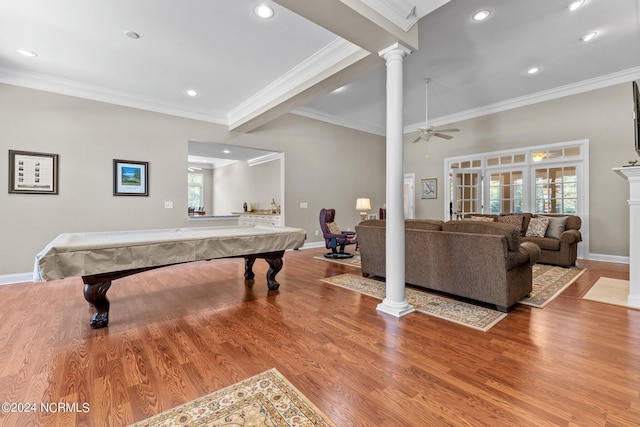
x: 8, y: 279
x: 608, y: 258
x: 312, y: 245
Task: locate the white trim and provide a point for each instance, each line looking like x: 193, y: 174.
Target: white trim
x: 620, y: 77
x: 9, y: 279
x: 96, y: 93
x: 264, y: 159
x: 608, y: 258
x: 340, y: 121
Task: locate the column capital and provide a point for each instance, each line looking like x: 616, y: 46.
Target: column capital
x: 395, y: 48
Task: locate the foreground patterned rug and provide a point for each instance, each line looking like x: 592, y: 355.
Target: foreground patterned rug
x: 470, y: 315
x: 266, y: 399
x: 548, y: 282
x: 353, y: 262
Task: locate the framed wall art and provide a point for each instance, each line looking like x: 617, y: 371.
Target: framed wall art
x: 430, y: 188
x: 130, y: 178
x: 33, y: 173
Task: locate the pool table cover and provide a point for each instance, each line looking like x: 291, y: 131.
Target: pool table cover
x: 83, y: 254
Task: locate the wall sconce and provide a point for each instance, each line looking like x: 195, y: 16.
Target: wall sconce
x: 363, y: 205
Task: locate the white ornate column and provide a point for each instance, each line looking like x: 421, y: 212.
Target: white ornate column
x: 632, y: 174
x: 395, y: 301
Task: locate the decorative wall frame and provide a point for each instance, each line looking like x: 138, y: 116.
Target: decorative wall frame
x: 130, y: 178
x: 33, y: 173
x: 430, y: 188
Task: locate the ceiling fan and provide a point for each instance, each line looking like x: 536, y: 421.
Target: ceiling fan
x: 425, y: 133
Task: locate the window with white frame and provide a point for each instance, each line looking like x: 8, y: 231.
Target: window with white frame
x: 539, y: 179
x: 196, y: 190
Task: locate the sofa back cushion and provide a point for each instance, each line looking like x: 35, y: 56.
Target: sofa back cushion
x: 423, y: 224
x: 481, y: 227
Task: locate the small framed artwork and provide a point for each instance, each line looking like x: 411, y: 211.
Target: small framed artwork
x: 130, y: 178
x: 430, y: 188
x: 33, y: 173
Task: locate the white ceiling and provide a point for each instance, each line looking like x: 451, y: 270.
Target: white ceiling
x: 249, y: 71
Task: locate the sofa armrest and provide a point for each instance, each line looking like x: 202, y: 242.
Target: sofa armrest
x: 532, y: 250
x: 570, y: 237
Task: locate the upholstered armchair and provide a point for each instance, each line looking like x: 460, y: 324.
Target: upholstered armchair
x: 334, y: 238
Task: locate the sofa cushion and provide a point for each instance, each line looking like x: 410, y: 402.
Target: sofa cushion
x: 333, y: 228
x: 557, y: 225
x: 545, y: 243
x: 537, y: 227
x: 515, y: 220
x: 423, y: 224
x: 482, y: 218
x: 481, y: 227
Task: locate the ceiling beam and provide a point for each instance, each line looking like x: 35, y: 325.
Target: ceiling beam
x: 364, y: 32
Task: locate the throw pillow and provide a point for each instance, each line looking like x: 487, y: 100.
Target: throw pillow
x: 333, y: 228
x: 482, y: 218
x: 515, y: 220
x: 537, y: 227
x: 557, y: 225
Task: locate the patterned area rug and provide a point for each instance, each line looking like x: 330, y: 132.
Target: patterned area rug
x: 470, y: 315
x: 548, y: 282
x: 353, y: 262
x: 266, y: 399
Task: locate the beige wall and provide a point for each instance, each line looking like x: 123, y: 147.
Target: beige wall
x: 604, y: 117
x: 325, y: 166
x: 238, y: 183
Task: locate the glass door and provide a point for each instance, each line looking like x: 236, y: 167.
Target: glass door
x: 466, y: 192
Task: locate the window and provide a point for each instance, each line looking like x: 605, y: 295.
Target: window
x: 556, y: 190
x: 196, y: 190
x: 506, y: 191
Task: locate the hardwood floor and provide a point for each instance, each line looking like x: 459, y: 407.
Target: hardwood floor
x: 181, y: 332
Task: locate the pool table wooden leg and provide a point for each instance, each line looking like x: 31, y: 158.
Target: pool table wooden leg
x: 275, y: 265
x: 248, y: 268
x: 96, y: 295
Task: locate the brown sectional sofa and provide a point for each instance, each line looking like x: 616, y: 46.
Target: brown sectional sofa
x: 559, y: 247
x: 482, y: 261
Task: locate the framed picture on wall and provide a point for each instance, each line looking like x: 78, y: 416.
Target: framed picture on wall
x: 33, y: 173
x: 430, y: 188
x: 130, y: 178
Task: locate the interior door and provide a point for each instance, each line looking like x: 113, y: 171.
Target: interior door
x: 466, y: 192
x: 409, y: 196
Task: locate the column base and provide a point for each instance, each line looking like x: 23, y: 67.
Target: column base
x: 394, y: 308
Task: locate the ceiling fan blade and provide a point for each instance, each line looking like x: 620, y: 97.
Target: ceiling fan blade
x: 417, y: 139
x: 442, y: 135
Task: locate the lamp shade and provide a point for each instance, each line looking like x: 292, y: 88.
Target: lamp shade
x: 363, y: 204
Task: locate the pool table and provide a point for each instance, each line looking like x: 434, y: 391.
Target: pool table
x: 101, y: 257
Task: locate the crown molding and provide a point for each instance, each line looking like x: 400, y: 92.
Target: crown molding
x: 335, y: 120
x: 67, y: 87
x: 547, y: 95
x: 401, y: 12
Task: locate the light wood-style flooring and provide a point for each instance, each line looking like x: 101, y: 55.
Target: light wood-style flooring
x: 181, y: 332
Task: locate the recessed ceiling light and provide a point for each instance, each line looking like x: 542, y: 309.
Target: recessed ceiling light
x: 533, y: 70
x: 226, y: 151
x: 481, y: 15
x: 263, y: 11
x: 131, y: 34
x: 192, y: 92
x: 340, y: 89
x: 575, y: 4
x: 26, y: 52
x: 588, y: 36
